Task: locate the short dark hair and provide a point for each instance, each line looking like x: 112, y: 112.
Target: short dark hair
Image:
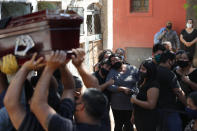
x: 102, y: 54
x: 158, y: 47
x: 95, y: 103
x: 193, y: 96
x: 167, y: 55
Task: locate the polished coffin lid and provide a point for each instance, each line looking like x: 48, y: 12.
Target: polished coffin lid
x: 40, y: 32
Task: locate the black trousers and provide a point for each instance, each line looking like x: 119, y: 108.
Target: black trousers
x: 122, y: 120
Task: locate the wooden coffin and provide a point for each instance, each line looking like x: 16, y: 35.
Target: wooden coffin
x: 40, y: 32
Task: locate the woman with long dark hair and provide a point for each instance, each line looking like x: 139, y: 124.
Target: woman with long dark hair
x: 186, y: 73
x: 145, y: 114
x: 187, y: 77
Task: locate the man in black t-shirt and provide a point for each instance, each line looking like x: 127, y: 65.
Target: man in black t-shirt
x: 169, y: 91
x: 101, y: 74
x: 90, y: 106
x: 22, y: 118
x: 16, y: 110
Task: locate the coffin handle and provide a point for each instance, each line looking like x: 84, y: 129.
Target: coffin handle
x: 26, y: 41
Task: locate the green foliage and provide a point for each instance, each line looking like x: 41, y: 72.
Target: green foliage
x: 195, y: 9
x: 192, y: 7
x: 14, y: 9
x: 186, y: 6
x: 46, y: 5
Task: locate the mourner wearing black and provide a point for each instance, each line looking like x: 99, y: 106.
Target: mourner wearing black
x: 17, y: 112
x: 158, y: 49
x: 145, y: 114
x: 101, y: 74
x: 168, y: 92
x: 23, y: 119
x: 186, y: 73
x: 89, y: 109
x: 187, y: 77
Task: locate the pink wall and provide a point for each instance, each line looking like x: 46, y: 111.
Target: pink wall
x: 138, y: 29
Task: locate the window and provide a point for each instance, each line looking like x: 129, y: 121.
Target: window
x: 14, y: 9
x: 93, y: 20
x: 43, y: 5
x: 93, y: 24
x: 139, y: 5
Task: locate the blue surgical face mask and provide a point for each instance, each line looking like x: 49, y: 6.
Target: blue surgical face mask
x: 191, y: 113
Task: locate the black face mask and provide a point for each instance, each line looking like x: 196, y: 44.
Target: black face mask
x: 169, y: 27
x: 104, y: 72
x: 117, y: 65
x: 183, y: 64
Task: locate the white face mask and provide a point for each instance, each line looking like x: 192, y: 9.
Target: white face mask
x: 189, y: 25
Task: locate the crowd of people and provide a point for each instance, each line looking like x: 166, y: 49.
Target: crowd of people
x: 160, y: 95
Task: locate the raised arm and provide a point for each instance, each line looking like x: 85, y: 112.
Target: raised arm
x: 12, y: 98
x: 77, y: 60
x: 68, y: 82
x: 39, y: 105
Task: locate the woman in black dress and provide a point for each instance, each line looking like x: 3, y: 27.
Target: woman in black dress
x: 186, y: 73
x: 145, y: 114
x: 187, y: 77
x: 188, y: 37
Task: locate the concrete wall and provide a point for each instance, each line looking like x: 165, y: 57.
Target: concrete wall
x: 135, y: 55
